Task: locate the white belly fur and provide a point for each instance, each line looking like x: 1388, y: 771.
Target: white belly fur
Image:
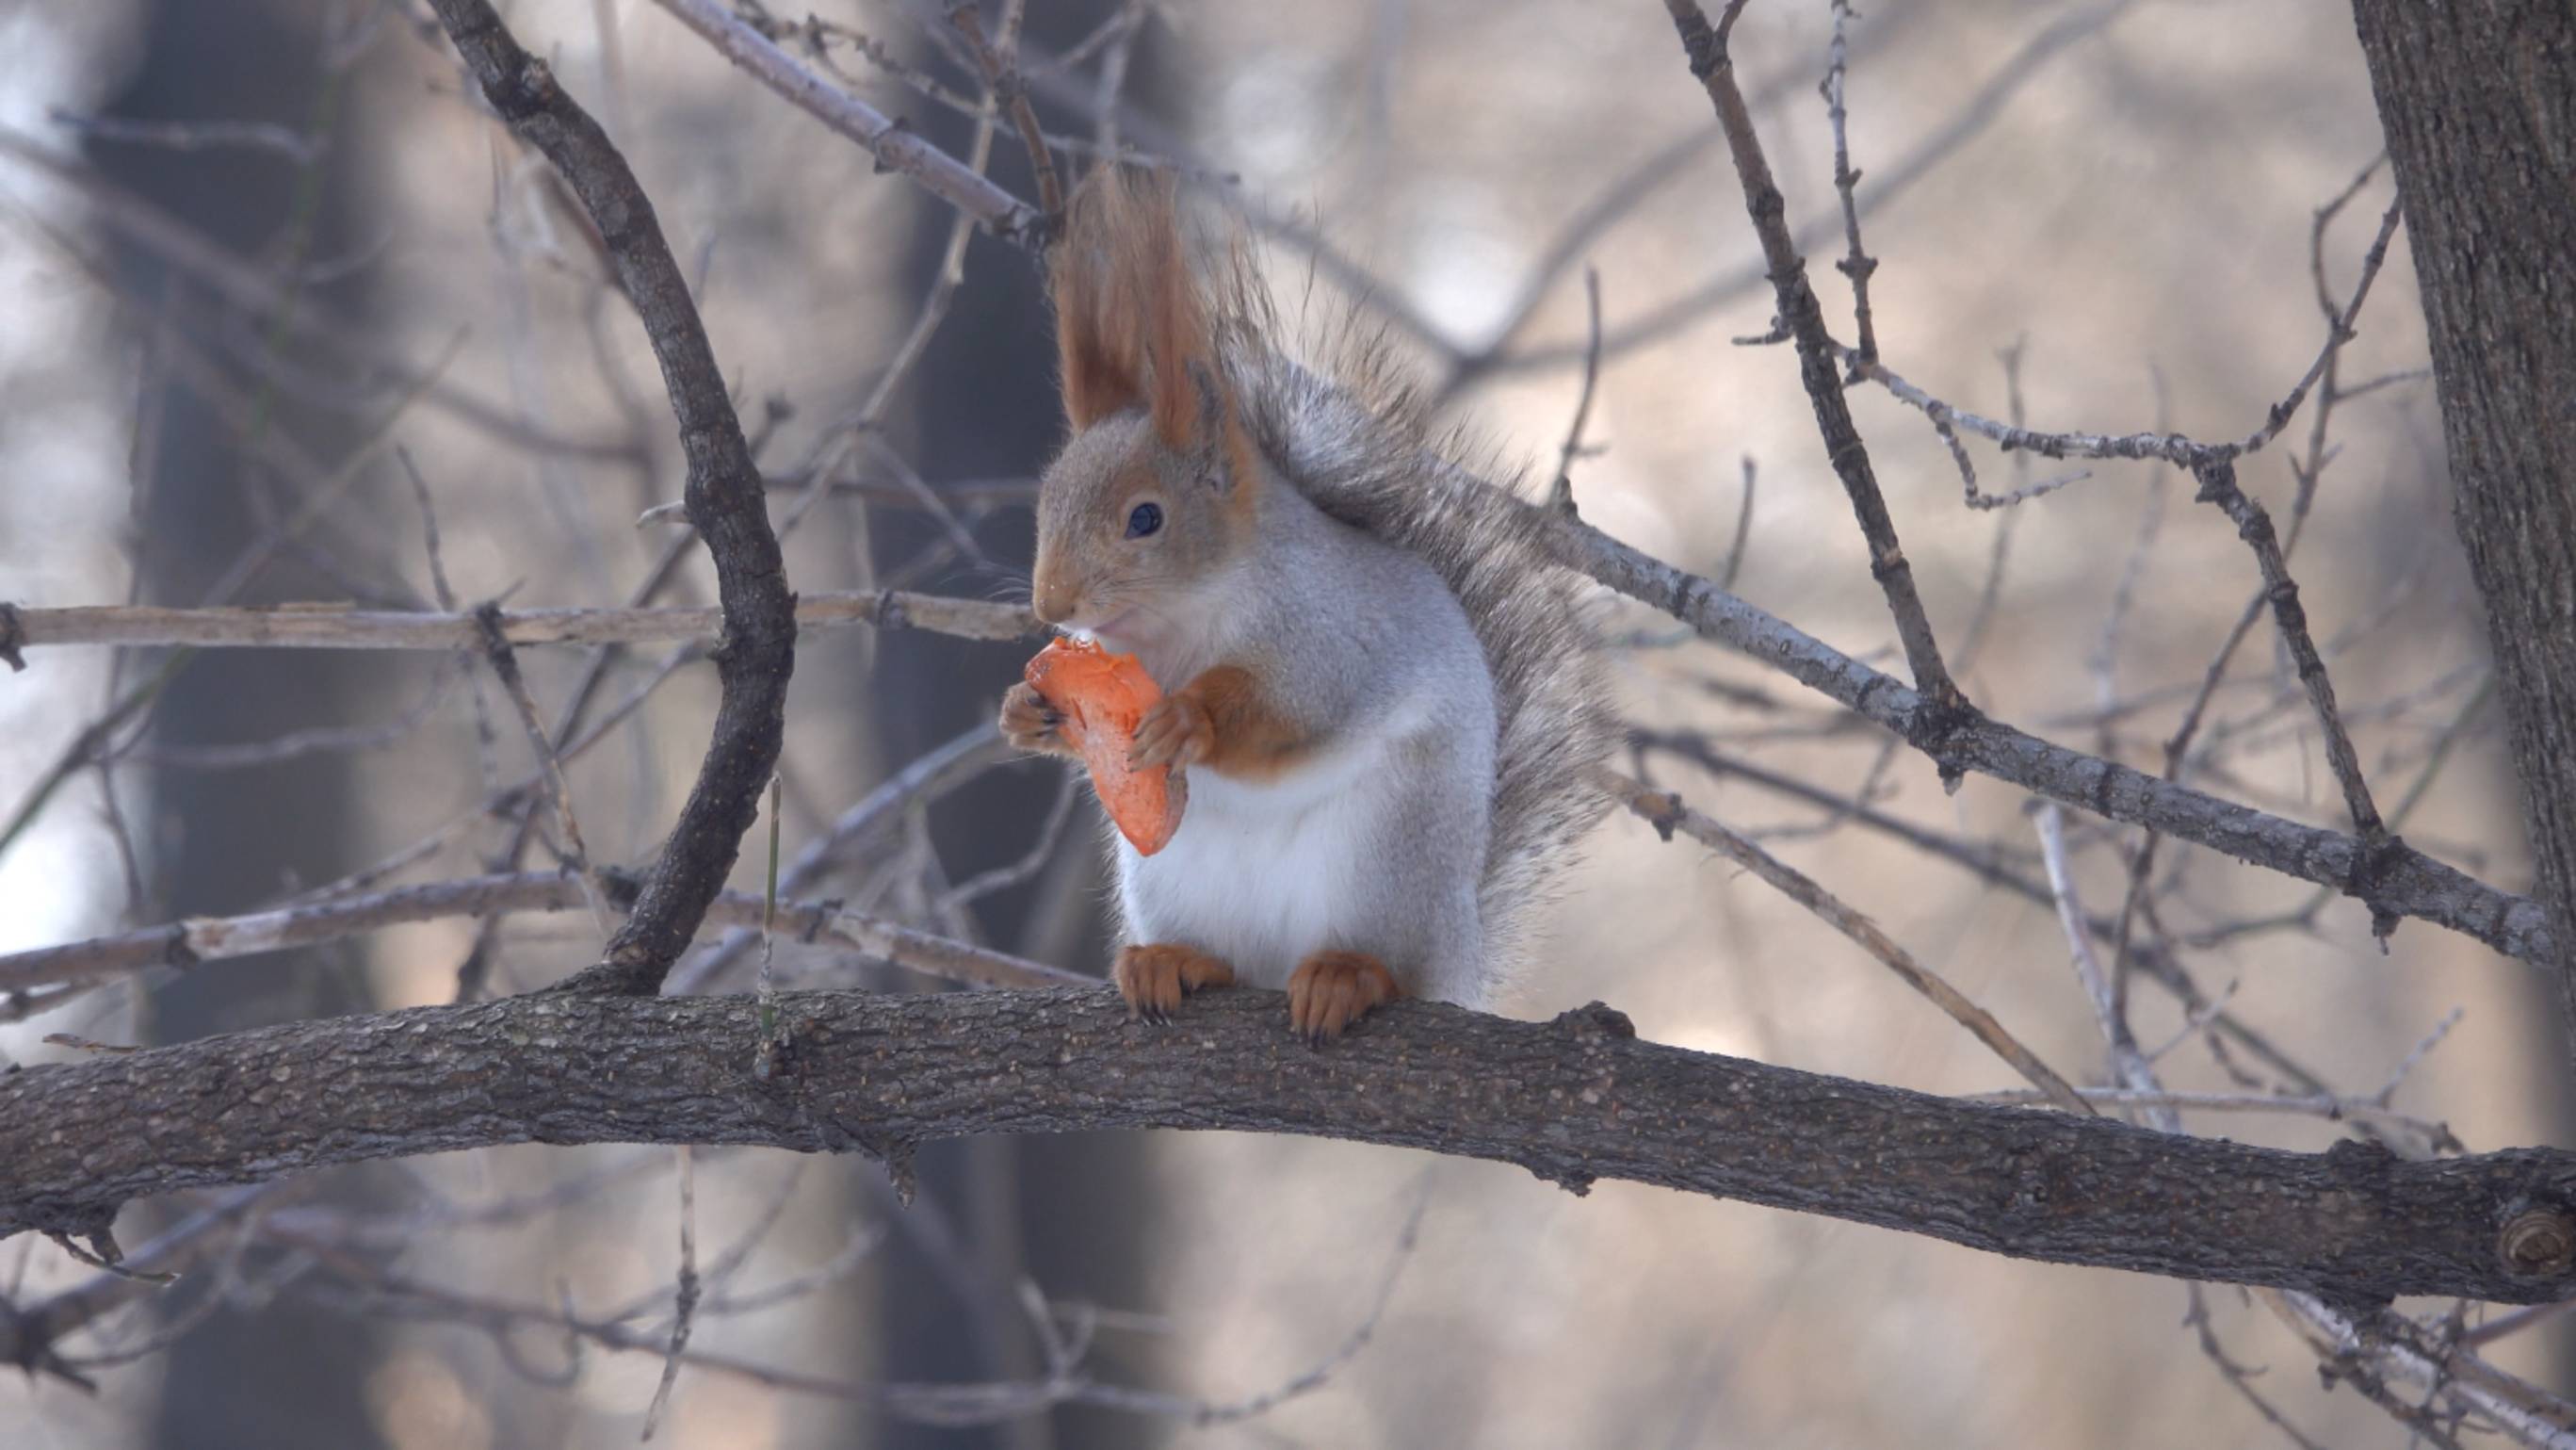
x: 1262, y: 875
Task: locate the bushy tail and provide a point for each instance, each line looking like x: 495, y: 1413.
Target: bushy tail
x: 1354, y: 438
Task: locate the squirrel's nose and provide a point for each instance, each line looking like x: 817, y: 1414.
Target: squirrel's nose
x: 1052, y: 603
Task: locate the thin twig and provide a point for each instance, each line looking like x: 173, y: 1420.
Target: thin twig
x: 293, y: 145
x: 338, y: 626
x: 685, y: 1297
x: 1561, y: 496
x: 199, y: 940
x: 2171, y: 448
x: 937, y: 771
x: 1002, y: 81
x: 2327, y: 1106
x: 2127, y: 1062
x: 505, y: 668
x: 1666, y: 813
x: 1857, y: 265
x: 895, y: 145
x: 1803, y: 316
x: 1743, y: 531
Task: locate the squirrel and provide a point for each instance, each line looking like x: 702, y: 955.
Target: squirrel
x: 1388, y: 696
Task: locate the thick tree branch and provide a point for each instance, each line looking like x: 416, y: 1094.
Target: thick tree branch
x: 1572, y: 1100
x: 725, y: 498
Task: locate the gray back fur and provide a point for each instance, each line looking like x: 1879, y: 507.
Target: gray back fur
x: 1354, y: 438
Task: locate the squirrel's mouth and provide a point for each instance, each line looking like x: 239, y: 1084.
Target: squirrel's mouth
x: 1117, y: 628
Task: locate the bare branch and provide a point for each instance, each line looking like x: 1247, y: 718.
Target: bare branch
x: 1002, y: 81
x: 1666, y: 814
x: 1561, y: 496
x: 1804, y: 317
x: 893, y: 143
x: 336, y: 626
x: 186, y: 944
x: 1573, y: 1100
x: 1856, y: 264
x: 2388, y: 876
x: 726, y: 503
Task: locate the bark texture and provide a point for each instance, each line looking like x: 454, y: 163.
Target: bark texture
x: 2478, y: 98
x: 1572, y: 1100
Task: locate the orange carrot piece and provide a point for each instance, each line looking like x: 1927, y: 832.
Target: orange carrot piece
x: 1102, y: 698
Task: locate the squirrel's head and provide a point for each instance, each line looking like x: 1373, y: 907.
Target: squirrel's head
x: 1157, y: 490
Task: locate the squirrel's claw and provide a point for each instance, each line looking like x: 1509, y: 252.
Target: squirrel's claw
x: 1154, y: 978
x: 1029, y: 722
x: 1176, y: 731
x: 1331, y: 990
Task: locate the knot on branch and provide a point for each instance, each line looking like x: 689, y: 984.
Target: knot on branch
x: 1573, y: 1180
x: 1705, y: 47
x: 1599, y: 1020
x: 1030, y: 229
x: 825, y: 912
x: 1661, y: 810
x: 891, y: 612
x: 95, y: 1222
x: 2383, y: 854
x: 892, y: 1151
x: 2540, y: 1242
x: 1938, y: 722
x: 519, y: 92
x: 629, y: 970
x: 2217, y: 478
x: 619, y: 885
x: 2361, y: 1162
x: 899, y: 126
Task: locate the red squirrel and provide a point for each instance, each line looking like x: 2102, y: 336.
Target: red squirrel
x: 1384, y: 694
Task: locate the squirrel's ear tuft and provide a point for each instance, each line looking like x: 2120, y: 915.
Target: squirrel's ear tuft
x: 1097, y: 337
x: 1132, y: 320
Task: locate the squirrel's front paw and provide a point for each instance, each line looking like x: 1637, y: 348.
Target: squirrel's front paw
x: 1331, y: 990
x: 1029, y: 722
x: 1176, y: 731
x: 1154, y: 978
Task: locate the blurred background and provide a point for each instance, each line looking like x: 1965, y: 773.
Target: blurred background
x: 276, y: 292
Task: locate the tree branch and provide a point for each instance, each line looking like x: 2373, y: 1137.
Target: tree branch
x: 192, y: 943
x: 725, y: 497
x: 1572, y: 1100
x: 889, y: 139
x: 2390, y: 876
x: 332, y: 626
x: 1804, y: 320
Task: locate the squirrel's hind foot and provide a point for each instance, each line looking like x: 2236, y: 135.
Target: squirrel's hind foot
x: 1331, y: 990
x: 1154, y: 978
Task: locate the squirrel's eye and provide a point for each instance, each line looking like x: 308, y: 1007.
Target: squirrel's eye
x: 1144, y: 519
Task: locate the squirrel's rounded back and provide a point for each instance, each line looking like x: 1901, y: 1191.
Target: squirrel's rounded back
x: 1187, y: 400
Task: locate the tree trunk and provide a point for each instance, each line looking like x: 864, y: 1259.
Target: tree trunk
x: 283, y: 1375
x: 2478, y: 98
